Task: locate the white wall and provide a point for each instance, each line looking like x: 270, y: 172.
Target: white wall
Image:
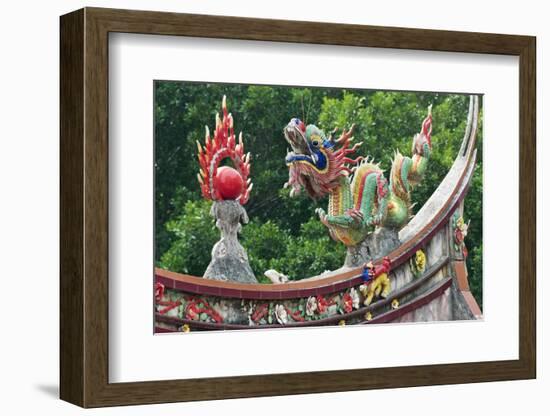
x: 29, y: 211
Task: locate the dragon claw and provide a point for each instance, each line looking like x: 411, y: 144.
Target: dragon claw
x: 322, y: 215
x: 355, y: 214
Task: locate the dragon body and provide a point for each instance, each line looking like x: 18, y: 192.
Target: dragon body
x: 360, y: 197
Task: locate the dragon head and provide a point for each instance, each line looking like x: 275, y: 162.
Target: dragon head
x: 316, y: 163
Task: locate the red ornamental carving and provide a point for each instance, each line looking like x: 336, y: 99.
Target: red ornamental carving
x: 259, y: 313
x: 295, y: 315
x: 159, y: 291
x: 193, y: 310
x: 169, y: 304
x: 323, y: 304
x: 223, y: 182
x: 347, y: 303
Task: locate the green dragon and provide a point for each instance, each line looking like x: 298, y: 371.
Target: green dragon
x: 360, y: 197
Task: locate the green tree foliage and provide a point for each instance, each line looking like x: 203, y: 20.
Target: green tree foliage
x: 310, y: 253
x: 264, y: 242
x: 284, y: 233
x: 194, y: 235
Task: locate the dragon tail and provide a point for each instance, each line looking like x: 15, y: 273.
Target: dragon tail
x: 407, y: 172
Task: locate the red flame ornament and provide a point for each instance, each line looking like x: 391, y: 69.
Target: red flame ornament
x: 223, y: 183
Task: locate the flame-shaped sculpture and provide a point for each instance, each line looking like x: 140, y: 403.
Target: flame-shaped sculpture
x: 215, y: 150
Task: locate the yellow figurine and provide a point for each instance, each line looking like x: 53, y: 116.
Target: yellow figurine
x: 418, y: 263
x: 377, y: 282
x: 420, y: 260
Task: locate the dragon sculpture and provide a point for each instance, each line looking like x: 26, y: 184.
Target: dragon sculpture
x: 360, y: 197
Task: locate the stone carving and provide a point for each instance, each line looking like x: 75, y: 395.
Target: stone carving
x: 229, y: 258
x: 376, y: 245
x: 275, y: 276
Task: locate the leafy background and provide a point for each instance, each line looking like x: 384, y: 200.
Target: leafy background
x: 284, y: 233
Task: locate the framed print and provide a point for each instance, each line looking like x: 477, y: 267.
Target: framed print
x: 256, y: 207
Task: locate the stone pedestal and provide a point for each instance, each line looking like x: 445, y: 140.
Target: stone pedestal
x: 377, y: 245
x: 229, y: 259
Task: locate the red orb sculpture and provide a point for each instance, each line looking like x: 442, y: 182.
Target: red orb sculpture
x: 229, y: 183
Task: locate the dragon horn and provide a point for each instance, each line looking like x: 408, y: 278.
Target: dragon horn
x: 346, y: 134
x: 357, y: 145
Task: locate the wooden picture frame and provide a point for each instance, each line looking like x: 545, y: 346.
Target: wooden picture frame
x: 84, y: 207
